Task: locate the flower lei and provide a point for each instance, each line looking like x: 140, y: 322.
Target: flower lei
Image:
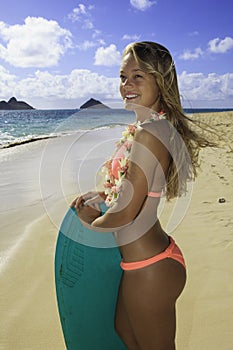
x: 112, y: 184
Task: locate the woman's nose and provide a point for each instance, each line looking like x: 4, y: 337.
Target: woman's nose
x: 127, y: 82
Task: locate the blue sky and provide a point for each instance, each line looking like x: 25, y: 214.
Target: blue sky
x: 59, y: 53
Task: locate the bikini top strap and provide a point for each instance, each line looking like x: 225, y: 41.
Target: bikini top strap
x: 154, y: 194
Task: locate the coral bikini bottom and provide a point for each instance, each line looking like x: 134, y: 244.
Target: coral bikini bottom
x: 172, y: 252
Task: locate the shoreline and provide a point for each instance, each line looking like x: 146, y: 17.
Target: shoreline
x: 34, y: 138
x: 52, y: 136
x: 33, y: 206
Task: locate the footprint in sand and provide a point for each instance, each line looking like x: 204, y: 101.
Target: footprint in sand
x: 224, y: 181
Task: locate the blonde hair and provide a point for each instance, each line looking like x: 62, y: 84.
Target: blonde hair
x: 155, y: 59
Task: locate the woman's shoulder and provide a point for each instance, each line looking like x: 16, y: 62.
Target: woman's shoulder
x: 153, y: 132
x: 155, y: 125
x: 156, y: 142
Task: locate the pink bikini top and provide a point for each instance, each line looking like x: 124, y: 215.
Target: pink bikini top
x: 116, y: 166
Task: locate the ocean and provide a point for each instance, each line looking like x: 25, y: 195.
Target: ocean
x: 18, y: 127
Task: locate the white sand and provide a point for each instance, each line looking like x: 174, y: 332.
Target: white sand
x: 29, y: 316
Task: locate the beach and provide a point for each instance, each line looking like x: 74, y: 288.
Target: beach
x: 38, y: 181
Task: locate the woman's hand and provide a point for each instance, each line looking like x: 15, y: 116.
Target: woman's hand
x: 87, y: 206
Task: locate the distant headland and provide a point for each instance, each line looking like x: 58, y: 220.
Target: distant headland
x: 13, y: 104
x: 92, y: 103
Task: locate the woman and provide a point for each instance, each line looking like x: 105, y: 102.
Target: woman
x: 158, y: 154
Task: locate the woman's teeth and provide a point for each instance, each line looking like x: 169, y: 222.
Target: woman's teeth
x: 131, y: 96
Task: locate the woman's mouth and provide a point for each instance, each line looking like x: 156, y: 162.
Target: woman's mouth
x: 129, y: 97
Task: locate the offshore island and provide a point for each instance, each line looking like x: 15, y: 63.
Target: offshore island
x: 92, y: 103
x: 13, y: 104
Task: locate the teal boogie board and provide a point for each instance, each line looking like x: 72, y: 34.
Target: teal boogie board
x: 87, y: 281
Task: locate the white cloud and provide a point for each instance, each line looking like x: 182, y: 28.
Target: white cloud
x: 214, y: 46
x: 44, y: 88
x: 5, y: 75
x: 87, y: 24
x: 188, y: 55
x: 7, y: 82
x: 101, y: 42
x: 96, y: 33
x: 87, y: 44
x: 134, y: 37
x: 77, y: 12
x: 81, y: 13
x: 44, y: 85
x: 81, y: 9
x: 107, y: 56
x: 37, y: 43
x: 220, y: 46
x: 142, y: 5
x: 211, y: 87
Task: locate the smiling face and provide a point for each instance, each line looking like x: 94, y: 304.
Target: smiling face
x: 137, y: 87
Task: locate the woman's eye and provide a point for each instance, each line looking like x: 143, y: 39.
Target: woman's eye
x: 138, y: 76
x: 122, y: 77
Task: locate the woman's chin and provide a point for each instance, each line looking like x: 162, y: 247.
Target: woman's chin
x: 130, y: 105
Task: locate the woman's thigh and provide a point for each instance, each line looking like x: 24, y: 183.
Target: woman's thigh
x: 149, y: 297
x: 123, y: 325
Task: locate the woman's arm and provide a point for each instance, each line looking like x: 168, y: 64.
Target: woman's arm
x: 146, y: 153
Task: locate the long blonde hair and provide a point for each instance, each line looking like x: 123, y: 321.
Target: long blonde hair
x: 155, y: 59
